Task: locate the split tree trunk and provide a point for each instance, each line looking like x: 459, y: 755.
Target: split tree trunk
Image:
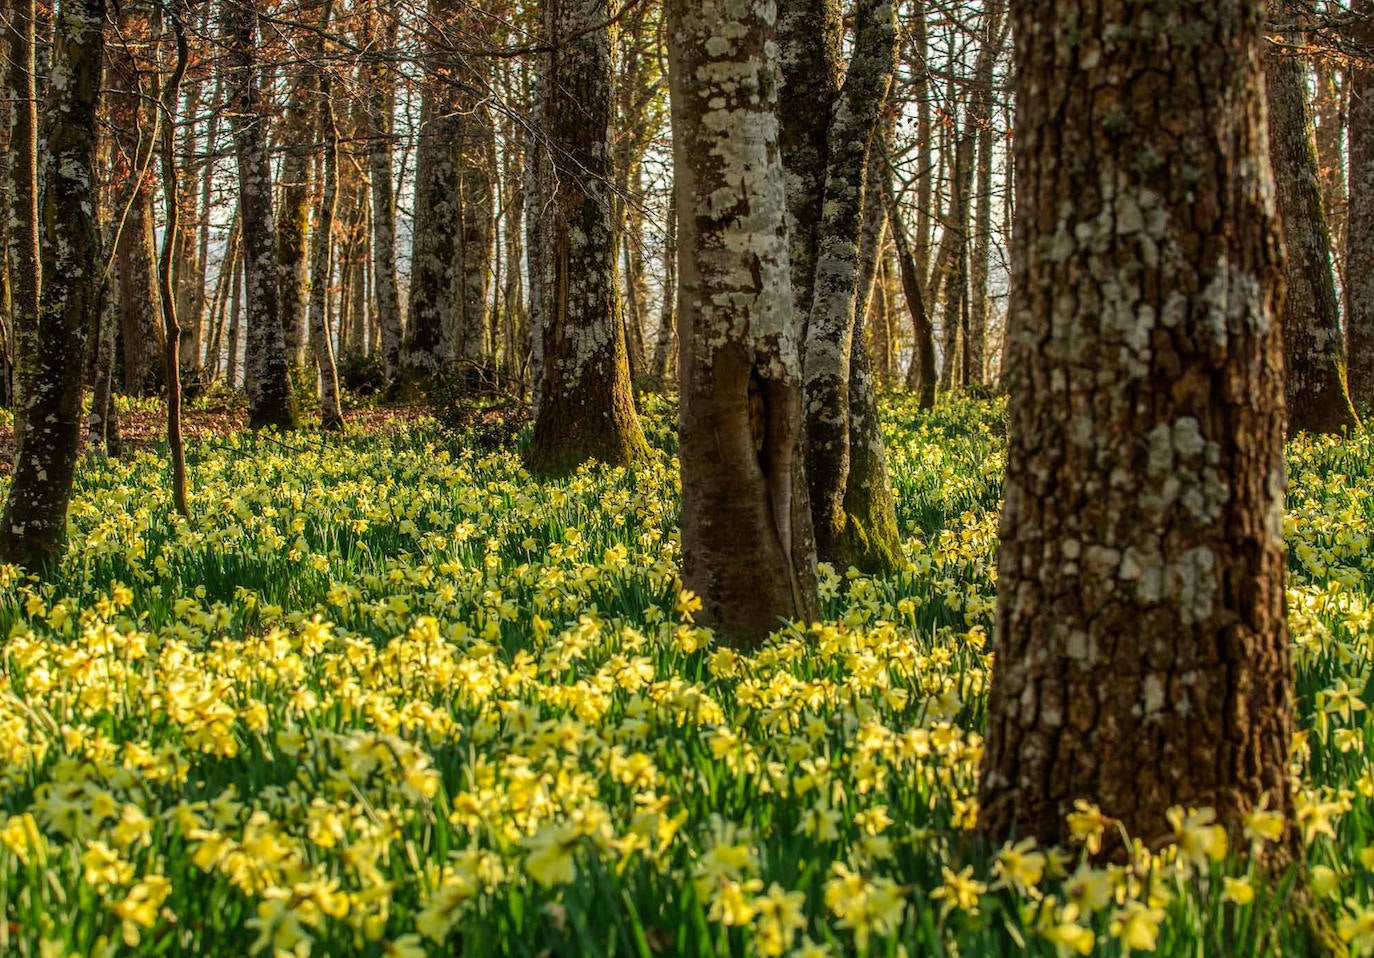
x: 747, y: 547
x: 1142, y: 649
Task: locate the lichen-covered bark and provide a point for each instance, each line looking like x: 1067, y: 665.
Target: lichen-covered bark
x: 747, y: 546
x: 34, y: 522
x: 1141, y: 644
x: 1359, y: 282
x: 24, y: 257
x: 1313, y: 345
x: 809, y: 35
x: 380, y: 91
x: 829, y: 340
x: 434, y: 293
x: 299, y: 136
x: 476, y: 209
x: 585, y: 408
x: 270, y: 403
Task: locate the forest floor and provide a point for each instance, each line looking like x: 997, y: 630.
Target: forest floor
x: 386, y: 695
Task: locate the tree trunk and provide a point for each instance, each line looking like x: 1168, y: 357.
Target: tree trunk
x: 298, y: 136
x: 1142, y: 649
x: 434, y: 285
x: 381, y: 107
x: 321, y: 259
x: 34, y: 524
x: 921, y: 374
x: 1330, y: 116
x: 665, y: 340
x: 829, y: 339
x: 270, y: 403
x: 585, y: 408
x: 747, y: 547
x: 1359, y: 285
x: 476, y: 212
x: 22, y: 235
x: 1313, y: 346
x: 981, y: 115
x: 231, y: 363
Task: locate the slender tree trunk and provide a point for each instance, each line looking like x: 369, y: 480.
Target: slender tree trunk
x: 921, y: 374
x: 925, y: 136
x: 1313, y: 345
x: 381, y: 107
x: 867, y: 541
x: 981, y: 115
x: 1142, y: 649
x: 321, y: 260
x: 34, y: 524
x: 171, y: 95
x: 270, y: 403
x: 231, y: 368
x: 1359, y: 286
x: 585, y: 410
x: 665, y: 341
x: 747, y: 547
x: 102, y: 429
x: 476, y: 189
x: 1330, y: 116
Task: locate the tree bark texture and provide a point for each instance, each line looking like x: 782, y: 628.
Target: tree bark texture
x: 266, y: 378
x: 1313, y: 345
x: 22, y: 230
x: 585, y: 408
x: 381, y: 106
x: 34, y: 524
x: 1359, y: 283
x: 747, y: 544
x: 1141, y: 643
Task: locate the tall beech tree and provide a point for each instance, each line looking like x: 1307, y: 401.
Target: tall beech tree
x: 34, y: 524
x: 1314, y: 350
x: 825, y: 145
x: 747, y: 544
x: 1142, y: 649
x: 266, y: 378
x: 585, y: 409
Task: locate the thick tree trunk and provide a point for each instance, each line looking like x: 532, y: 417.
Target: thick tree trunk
x: 34, y: 523
x: 476, y: 188
x: 1313, y: 346
x: 809, y: 34
x: 829, y: 339
x: 1333, y: 85
x: 747, y: 547
x: 22, y: 235
x: 585, y: 408
x: 298, y: 135
x: 1142, y: 649
x: 270, y: 403
x: 1359, y: 284
x: 434, y: 285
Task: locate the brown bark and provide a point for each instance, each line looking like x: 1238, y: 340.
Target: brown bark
x: 585, y: 408
x: 1141, y: 642
x: 1359, y: 284
x: 747, y: 548
x: 1313, y: 346
x: 921, y: 374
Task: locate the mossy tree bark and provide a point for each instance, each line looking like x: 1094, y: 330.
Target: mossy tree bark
x: 747, y: 544
x: 270, y: 402
x: 1142, y: 649
x: 23, y: 253
x: 34, y: 523
x: 1314, y: 350
x: 299, y: 135
x: 585, y: 409
x: 1359, y: 285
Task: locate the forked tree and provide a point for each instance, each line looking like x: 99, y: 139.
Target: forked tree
x: 1141, y: 646
x: 747, y: 543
